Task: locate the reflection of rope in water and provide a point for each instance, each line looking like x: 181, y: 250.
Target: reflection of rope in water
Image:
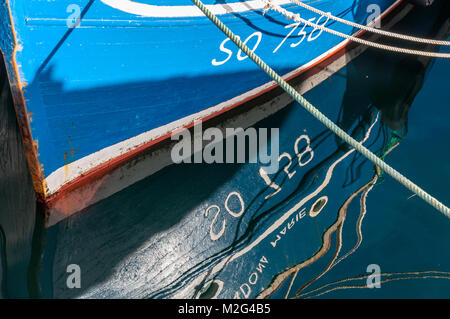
x: 320, y: 116
x: 430, y: 274
x: 371, y: 29
x: 364, y: 209
x: 297, y: 18
x: 291, y: 284
x: 326, y: 243
x: 241, y: 246
x: 343, y: 213
x: 199, y: 282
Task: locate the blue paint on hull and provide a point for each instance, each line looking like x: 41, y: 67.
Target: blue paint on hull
x: 118, y: 75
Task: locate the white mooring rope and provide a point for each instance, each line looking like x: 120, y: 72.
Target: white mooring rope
x: 296, y: 17
x: 370, y: 29
x: 321, y: 117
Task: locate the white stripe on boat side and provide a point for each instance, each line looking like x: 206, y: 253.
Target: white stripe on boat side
x: 154, y: 11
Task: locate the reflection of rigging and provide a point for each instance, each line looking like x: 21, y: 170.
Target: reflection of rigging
x: 430, y: 274
x: 336, y: 227
x: 390, y: 83
x: 365, y: 191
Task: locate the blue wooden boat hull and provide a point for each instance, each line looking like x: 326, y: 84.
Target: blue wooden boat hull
x: 202, y: 231
x: 221, y: 231
x: 123, y: 77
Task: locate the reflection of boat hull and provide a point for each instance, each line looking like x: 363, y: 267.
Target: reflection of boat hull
x: 217, y: 228
x: 302, y: 217
x: 139, y: 93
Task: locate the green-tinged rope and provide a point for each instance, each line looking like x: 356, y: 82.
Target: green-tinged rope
x: 396, y: 138
x: 297, y: 18
x: 368, y: 28
x: 321, y: 117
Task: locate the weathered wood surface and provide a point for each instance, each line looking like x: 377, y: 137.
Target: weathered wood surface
x: 17, y: 198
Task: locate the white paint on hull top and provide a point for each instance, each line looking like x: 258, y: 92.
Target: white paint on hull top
x: 154, y: 11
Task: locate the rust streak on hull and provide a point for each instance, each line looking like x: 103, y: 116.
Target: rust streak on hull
x: 30, y: 146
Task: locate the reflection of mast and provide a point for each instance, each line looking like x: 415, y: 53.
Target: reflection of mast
x: 388, y: 81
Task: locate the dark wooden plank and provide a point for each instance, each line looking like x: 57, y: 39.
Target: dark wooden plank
x: 17, y: 200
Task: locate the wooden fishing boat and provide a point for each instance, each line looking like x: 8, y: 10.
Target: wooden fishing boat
x: 99, y: 86
x: 231, y: 231
x: 201, y: 231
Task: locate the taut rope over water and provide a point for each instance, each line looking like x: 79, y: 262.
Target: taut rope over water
x: 370, y: 29
x: 321, y: 117
x: 297, y: 18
